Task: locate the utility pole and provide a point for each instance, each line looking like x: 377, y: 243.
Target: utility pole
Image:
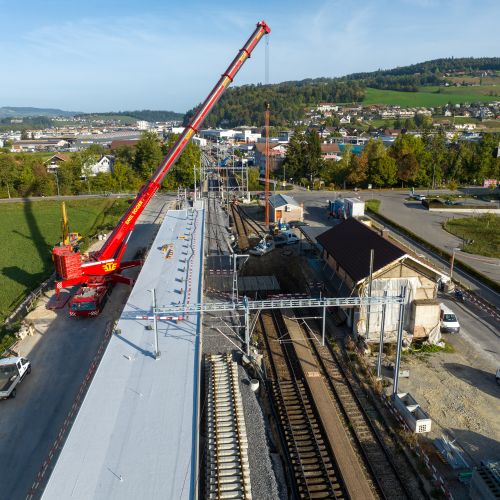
x: 381, y: 342
x: 157, y: 352
x: 266, y: 183
x: 452, y: 263
x: 368, y: 307
x: 399, y: 345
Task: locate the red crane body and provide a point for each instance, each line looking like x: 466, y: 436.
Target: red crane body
x: 102, y: 267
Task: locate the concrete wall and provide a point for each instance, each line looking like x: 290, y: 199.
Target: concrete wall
x: 428, y: 286
x: 467, y: 210
x: 294, y: 213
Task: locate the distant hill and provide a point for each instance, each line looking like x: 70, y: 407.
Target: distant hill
x: 21, y: 112
x: 145, y: 114
x: 244, y: 105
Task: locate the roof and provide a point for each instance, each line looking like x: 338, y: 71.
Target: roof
x: 261, y: 146
x: 59, y: 156
x: 278, y: 200
x: 117, y: 144
x: 350, y: 242
x: 330, y: 148
x: 144, y: 445
x: 9, y: 361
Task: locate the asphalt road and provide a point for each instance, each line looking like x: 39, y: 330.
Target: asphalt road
x: 30, y: 423
x: 425, y: 224
x: 478, y: 338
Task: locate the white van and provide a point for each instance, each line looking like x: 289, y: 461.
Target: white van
x: 449, y: 320
x: 285, y: 238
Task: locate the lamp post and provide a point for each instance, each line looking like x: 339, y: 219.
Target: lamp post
x: 57, y: 181
x: 453, y: 262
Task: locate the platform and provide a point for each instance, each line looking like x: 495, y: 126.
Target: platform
x: 135, y: 435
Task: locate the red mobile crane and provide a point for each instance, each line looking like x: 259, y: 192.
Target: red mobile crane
x: 97, y: 272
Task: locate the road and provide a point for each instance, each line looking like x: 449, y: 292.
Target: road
x: 30, y: 423
x: 425, y: 224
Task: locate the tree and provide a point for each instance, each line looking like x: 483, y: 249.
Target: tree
x: 382, y: 170
x: 358, y: 169
x: 182, y: 173
x: 24, y: 135
x: 313, y: 159
x: 148, y: 155
x: 295, y: 155
x: 7, y: 171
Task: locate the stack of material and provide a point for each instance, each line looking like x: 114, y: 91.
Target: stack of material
x: 228, y: 473
x: 67, y: 262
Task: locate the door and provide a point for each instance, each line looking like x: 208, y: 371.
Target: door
x: 278, y: 215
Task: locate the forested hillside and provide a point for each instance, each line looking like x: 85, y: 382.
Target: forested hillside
x: 410, y: 78
x: 145, y: 114
x: 244, y: 105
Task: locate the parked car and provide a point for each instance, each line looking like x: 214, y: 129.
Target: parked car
x: 12, y: 372
x: 285, y: 238
x: 449, y: 321
x: 420, y: 197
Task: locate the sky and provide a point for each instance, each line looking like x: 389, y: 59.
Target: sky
x: 104, y: 55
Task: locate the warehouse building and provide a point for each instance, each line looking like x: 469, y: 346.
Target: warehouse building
x: 346, y: 249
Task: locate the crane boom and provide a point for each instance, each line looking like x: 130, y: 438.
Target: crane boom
x: 105, y: 264
x: 114, y: 246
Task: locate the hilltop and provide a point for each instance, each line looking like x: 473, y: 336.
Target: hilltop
x: 430, y: 83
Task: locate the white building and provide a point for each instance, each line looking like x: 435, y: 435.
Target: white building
x: 217, y: 133
x: 103, y: 166
x: 142, y: 125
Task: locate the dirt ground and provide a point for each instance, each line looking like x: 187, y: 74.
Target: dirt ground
x: 461, y: 398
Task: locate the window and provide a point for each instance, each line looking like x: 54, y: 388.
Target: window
x: 83, y: 306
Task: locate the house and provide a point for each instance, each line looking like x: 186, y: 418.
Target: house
x: 277, y: 153
x: 52, y: 164
x: 103, y: 166
x: 284, y: 208
x: 346, y: 249
x: 330, y: 151
x: 345, y: 119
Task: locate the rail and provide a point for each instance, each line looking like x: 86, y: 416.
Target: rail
x: 314, y: 468
x: 394, y: 480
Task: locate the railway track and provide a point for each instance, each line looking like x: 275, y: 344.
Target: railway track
x: 241, y: 228
x: 228, y: 473
x: 389, y: 467
x: 314, y: 468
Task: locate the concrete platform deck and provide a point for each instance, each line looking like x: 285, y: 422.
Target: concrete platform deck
x: 135, y: 435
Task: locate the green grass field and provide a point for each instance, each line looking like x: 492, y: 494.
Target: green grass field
x: 30, y: 230
x: 484, y: 231
x: 429, y: 97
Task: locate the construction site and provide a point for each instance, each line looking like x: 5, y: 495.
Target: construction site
x: 225, y: 359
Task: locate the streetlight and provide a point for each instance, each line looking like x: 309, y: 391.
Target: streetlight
x: 57, y: 181
x: 453, y: 262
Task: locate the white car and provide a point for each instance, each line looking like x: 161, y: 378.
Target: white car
x: 12, y: 372
x: 420, y: 197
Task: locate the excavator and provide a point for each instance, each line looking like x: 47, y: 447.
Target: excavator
x: 68, y: 238
x: 96, y: 272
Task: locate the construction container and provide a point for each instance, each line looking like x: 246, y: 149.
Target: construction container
x: 354, y: 207
x: 337, y: 208
x: 416, y: 419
